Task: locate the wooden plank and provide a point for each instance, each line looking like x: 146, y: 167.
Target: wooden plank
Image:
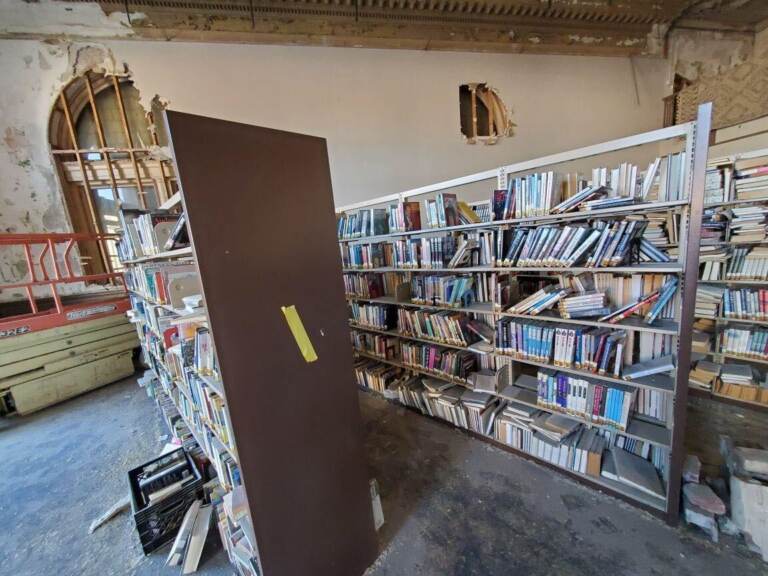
x: 119, y: 344
x: 39, y: 353
x: 35, y: 338
x: 60, y: 349
x: 37, y: 394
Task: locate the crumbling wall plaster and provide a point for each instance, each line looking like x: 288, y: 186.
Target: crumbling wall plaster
x: 66, y: 19
x: 389, y: 117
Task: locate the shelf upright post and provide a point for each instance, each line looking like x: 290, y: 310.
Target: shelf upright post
x: 690, y: 254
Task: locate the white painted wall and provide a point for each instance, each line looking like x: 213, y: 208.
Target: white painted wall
x: 390, y: 117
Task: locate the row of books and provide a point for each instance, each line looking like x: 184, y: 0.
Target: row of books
x: 748, y: 264
x: 590, y: 400
x: 747, y: 342
x: 380, y: 316
x: 448, y: 362
x: 601, y: 244
x: 745, y: 303
x: 451, y: 290
x: 443, y: 210
x: 380, y: 345
x: 598, y: 350
x: 563, y: 442
x: 748, y: 224
x: 594, y: 304
x: 147, y: 233
x: 444, y: 326
x: 373, y: 284
x: 164, y: 282
x: 553, y: 437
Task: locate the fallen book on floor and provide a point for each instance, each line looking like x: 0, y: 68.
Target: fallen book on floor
x: 182, y: 538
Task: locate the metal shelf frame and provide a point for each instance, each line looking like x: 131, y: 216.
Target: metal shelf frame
x: 696, y: 143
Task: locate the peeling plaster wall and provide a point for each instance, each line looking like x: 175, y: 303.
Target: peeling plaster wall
x: 697, y: 53
x: 391, y: 118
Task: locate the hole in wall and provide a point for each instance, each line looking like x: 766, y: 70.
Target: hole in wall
x: 483, y: 115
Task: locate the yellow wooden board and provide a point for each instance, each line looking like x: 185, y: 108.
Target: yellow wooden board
x: 49, y: 390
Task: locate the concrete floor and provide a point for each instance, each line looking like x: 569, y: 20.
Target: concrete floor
x: 454, y: 506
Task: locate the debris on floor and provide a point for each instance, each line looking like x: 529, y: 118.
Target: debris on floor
x: 122, y: 504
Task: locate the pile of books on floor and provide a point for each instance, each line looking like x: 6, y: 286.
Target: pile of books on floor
x: 751, y: 178
x: 708, y: 300
x: 741, y: 381
x: 748, y: 224
x: 704, y: 374
x: 748, y: 264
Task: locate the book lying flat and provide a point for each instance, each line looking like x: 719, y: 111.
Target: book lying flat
x: 637, y: 472
x: 649, y: 367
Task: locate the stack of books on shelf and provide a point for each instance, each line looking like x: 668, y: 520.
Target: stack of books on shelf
x: 712, y: 262
x: 751, y: 178
x: 748, y: 224
x: 149, y: 233
x: 704, y: 374
x: 373, y: 285
x: 714, y: 223
x: 740, y: 381
x: 708, y: 301
x: 718, y: 183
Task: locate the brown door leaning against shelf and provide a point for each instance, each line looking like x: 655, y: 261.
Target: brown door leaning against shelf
x: 554, y: 319
x: 232, y: 406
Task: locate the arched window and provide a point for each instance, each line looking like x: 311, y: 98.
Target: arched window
x: 109, y: 152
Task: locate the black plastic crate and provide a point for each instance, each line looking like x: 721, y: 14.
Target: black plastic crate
x: 158, y: 523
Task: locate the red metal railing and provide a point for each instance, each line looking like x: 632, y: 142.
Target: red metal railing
x: 45, y: 256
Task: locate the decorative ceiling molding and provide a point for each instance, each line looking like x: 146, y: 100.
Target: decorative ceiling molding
x: 587, y: 27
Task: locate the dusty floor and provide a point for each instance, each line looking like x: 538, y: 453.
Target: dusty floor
x: 454, y: 506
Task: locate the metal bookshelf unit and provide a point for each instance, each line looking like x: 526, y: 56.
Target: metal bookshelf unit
x: 721, y: 322
x: 692, y: 138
